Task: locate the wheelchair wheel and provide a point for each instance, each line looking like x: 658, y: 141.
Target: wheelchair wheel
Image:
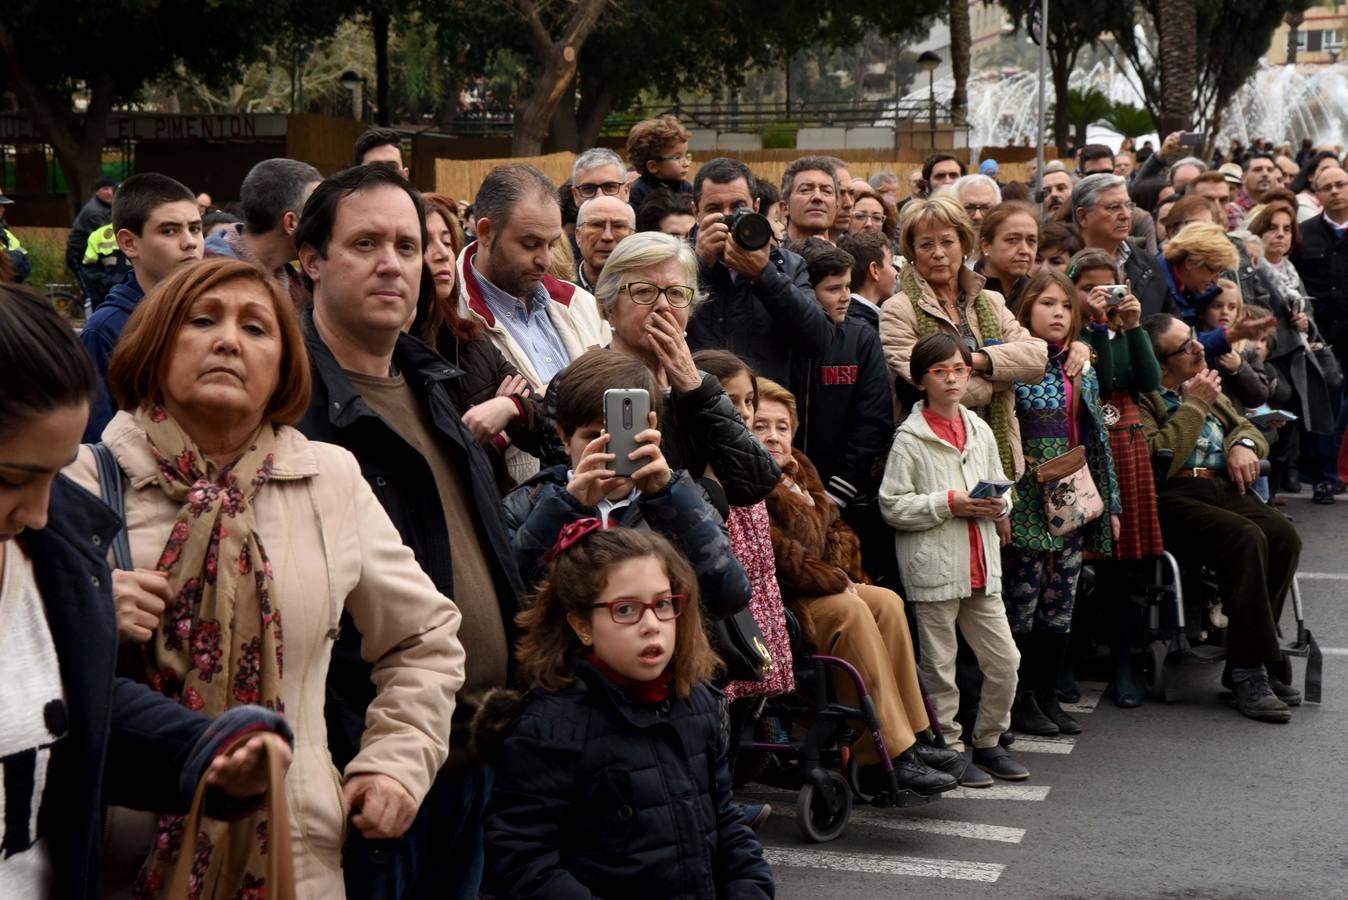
x: 821, y: 821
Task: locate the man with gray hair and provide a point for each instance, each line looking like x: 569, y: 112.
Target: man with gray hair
x: 538, y: 322
x: 886, y: 184
x: 272, y: 195
x: 810, y: 193
x: 1102, y: 209
x: 601, y: 224
x: 598, y: 171
x: 977, y: 193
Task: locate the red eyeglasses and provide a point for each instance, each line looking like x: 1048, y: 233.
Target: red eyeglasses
x: 629, y: 610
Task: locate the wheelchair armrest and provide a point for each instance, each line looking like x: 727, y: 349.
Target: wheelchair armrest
x: 1161, y: 461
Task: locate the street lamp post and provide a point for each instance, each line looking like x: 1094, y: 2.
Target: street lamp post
x: 929, y: 60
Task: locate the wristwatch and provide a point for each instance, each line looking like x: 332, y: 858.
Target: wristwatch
x: 1247, y: 444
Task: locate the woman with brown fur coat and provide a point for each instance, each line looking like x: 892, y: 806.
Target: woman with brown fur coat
x: 819, y: 570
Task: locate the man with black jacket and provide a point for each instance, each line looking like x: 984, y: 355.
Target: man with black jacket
x: 759, y: 302
x: 381, y: 394
x: 1102, y: 209
x: 1321, y: 258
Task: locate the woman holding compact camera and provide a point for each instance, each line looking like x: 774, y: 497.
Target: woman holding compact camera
x: 1126, y: 366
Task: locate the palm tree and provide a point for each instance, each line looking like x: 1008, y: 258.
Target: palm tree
x: 961, y: 44
x: 1177, y: 26
x: 1293, y: 18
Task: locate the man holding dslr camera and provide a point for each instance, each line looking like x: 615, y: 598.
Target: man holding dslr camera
x: 759, y: 301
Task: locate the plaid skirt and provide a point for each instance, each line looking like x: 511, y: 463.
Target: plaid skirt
x: 1140, y: 531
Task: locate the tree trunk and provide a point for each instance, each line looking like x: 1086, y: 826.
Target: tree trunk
x: 961, y: 45
x: 77, y: 142
x: 380, y: 20
x: 559, y: 58
x: 1178, y: 35
x: 1060, y: 70
x: 596, y: 102
x: 563, y: 131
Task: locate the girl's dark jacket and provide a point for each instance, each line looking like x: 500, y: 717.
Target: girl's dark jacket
x: 597, y: 796
x: 126, y: 745
x: 538, y: 510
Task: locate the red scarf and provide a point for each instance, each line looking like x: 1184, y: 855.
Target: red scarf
x: 648, y: 692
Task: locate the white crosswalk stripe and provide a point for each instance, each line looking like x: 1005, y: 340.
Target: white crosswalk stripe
x: 1060, y: 745
x: 1031, y: 792
x: 883, y: 865
x: 897, y: 821
x: 1091, y: 694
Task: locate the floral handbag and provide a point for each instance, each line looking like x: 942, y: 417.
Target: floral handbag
x: 1071, y: 498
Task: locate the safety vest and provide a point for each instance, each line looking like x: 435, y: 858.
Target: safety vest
x: 11, y: 242
x: 102, y: 245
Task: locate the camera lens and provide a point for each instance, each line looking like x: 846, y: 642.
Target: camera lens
x: 750, y: 230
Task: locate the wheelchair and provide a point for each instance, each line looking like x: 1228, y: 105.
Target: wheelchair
x: 1184, y: 618
x: 802, y: 741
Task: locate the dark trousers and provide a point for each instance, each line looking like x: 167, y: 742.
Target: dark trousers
x: 440, y: 856
x: 1252, y: 548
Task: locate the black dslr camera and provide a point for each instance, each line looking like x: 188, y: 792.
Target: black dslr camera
x: 750, y: 230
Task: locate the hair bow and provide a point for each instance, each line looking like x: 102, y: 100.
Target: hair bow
x: 571, y: 534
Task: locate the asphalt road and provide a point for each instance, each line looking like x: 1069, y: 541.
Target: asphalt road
x: 1183, y: 801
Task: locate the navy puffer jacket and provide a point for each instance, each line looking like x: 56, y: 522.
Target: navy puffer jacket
x: 596, y: 795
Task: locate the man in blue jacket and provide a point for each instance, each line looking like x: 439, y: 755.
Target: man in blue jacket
x: 158, y: 228
x: 760, y: 304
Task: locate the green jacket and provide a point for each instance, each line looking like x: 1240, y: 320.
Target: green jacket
x: 1127, y: 361
x: 1180, y: 432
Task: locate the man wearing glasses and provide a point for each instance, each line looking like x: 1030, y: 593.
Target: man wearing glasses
x: 601, y: 223
x: 1104, y: 211
x: 1208, y: 514
x: 598, y: 171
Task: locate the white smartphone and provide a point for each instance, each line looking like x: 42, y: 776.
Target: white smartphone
x: 625, y: 413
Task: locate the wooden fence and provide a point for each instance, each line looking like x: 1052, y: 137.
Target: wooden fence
x: 460, y: 178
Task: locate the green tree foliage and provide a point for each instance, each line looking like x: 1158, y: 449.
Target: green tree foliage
x: 1071, y: 28
x: 1129, y: 120
x: 1217, y: 59
x: 641, y: 48
x: 104, y: 52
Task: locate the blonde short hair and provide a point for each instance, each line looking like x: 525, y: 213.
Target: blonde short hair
x: 943, y: 212
x: 1208, y: 244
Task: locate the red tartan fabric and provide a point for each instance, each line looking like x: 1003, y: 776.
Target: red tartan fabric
x: 1140, y: 534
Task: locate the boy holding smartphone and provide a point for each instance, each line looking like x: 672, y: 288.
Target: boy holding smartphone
x: 653, y: 496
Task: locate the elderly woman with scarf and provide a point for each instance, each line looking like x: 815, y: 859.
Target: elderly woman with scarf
x: 937, y: 293
x: 240, y: 528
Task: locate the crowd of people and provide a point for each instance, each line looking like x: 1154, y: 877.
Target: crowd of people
x: 516, y: 473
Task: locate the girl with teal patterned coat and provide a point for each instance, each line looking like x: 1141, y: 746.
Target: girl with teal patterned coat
x: 1041, y: 570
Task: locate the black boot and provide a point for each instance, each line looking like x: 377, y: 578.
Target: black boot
x: 1026, y: 716
x: 1125, y: 689
x: 1052, y: 654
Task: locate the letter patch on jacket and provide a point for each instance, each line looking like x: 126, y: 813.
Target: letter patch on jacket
x: 834, y: 375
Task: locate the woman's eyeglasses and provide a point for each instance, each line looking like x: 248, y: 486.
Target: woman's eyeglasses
x: 943, y: 372
x: 629, y: 611
x: 643, y: 293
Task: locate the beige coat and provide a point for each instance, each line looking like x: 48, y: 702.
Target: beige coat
x: 1020, y: 357
x: 332, y: 547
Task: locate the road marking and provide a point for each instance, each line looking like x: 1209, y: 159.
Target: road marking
x: 1322, y: 576
x: 1060, y: 745
x: 1334, y: 651
x: 1033, y: 792
x: 1091, y: 692
x: 899, y: 821
x: 883, y: 865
